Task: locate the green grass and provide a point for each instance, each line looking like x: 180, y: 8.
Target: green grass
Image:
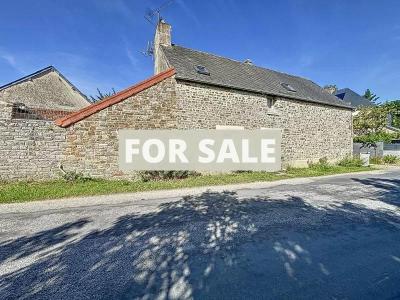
x: 29, y: 191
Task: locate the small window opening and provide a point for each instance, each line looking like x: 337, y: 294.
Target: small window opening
x: 288, y: 87
x: 270, y: 103
x: 341, y: 96
x: 21, y: 111
x: 202, y: 70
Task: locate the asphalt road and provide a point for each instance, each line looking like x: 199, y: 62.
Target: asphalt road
x: 331, y: 238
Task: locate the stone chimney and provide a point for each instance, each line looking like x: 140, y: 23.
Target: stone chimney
x: 331, y: 89
x: 162, y: 37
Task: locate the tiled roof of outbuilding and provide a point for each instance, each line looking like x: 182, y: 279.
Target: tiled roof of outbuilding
x: 243, y: 76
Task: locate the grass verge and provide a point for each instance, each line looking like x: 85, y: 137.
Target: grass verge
x: 29, y: 191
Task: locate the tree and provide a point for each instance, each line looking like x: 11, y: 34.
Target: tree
x: 369, y: 120
x: 370, y: 139
x: 370, y: 96
x: 369, y: 123
x: 101, y: 96
x: 393, y: 107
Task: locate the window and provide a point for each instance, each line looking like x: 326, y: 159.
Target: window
x: 202, y: 70
x: 288, y: 87
x: 21, y: 111
x: 270, y: 103
x: 341, y: 96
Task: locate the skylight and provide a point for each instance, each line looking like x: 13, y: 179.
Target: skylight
x: 202, y: 70
x: 288, y: 87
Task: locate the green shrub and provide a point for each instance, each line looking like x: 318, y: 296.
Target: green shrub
x: 390, y: 159
x: 350, y: 161
x: 241, y: 171
x: 74, y: 176
x: 376, y: 160
x: 165, y: 175
x: 323, y: 161
x: 321, y: 164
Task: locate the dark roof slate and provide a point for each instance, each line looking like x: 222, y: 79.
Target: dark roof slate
x: 354, y: 99
x: 243, y: 76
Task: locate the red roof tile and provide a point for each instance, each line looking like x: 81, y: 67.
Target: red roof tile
x: 120, y: 96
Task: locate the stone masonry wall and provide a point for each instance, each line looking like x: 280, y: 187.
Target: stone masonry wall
x: 48, y: 91
x: 92, y: 143
x: 34, y: 149
x: 29, y: 149
x: 310, y: 131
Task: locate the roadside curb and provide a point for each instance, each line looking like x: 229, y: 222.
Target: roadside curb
x: 112, y: 199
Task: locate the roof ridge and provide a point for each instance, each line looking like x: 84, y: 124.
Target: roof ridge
x: 231, y: 73
x: 114, y: 99
x: 26, y: 77
x: 40, y: 72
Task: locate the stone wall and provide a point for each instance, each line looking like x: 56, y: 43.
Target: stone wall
x: 34, y: 149
x: 310, y: 131
x: 29, y: 149
x: 92, y: 143
x: 5, y: 110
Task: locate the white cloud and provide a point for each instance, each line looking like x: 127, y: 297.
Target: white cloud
x: 306, y: 60
x: 188, y: 12
x: 119, y: 7
x: 10, y: 59
x: 133, y: 60
x: 12, y: 62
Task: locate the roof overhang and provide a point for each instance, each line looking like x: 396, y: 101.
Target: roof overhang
x: 121, y: 96
x: 345, y: 106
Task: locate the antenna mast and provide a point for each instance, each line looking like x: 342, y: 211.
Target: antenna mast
x: 153, y: 16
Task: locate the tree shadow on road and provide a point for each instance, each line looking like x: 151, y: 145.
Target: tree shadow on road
x: 27, y: 245
x: 388, y: 189
x: 213, y: 245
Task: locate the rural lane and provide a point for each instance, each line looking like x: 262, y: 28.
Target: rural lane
x: 327, y: 238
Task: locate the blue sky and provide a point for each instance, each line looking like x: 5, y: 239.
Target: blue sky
x: 98, y: 43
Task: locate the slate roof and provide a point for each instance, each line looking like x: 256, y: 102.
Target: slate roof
x: 242, y: 76
x: 349, y: 96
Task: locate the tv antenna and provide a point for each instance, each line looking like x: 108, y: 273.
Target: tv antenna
x: 149, y: 51
x: 153, y: 16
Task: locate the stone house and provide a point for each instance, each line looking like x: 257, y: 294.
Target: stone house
x: 46, y: 93
x: 197, y: 90
x: 28, y: 137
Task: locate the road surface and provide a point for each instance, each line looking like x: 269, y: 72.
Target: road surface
x: 327, y: 238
